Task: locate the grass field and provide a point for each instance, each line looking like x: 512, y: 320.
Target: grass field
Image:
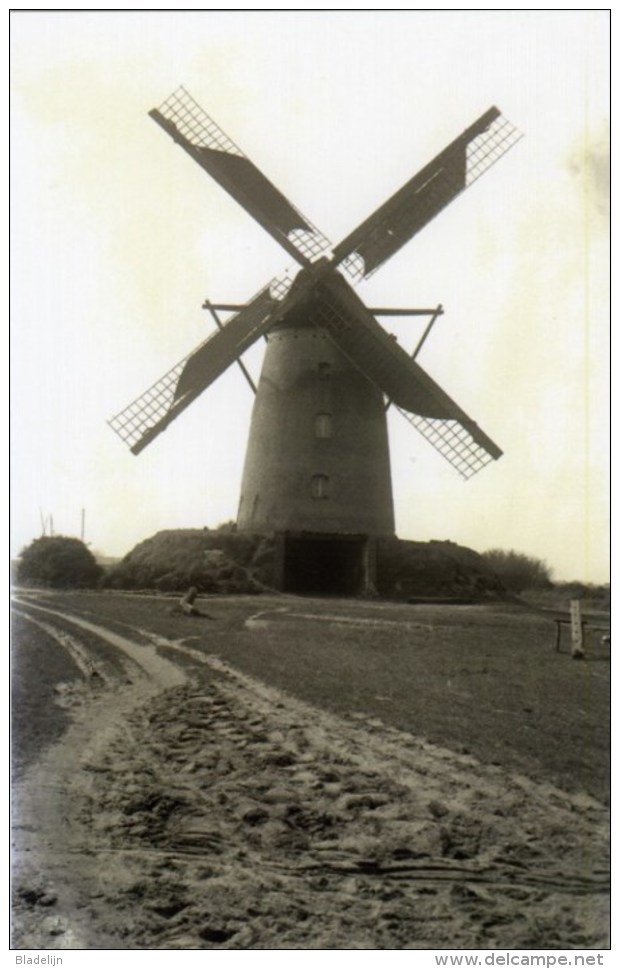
x: 480, y: 679
x: 286, y: 772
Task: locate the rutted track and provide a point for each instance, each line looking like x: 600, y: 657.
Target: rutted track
x: 154, y: 666
x: 208, y: 809
x: 83, y: 660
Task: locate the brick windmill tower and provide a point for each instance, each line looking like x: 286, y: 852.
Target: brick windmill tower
x: 317, y: 467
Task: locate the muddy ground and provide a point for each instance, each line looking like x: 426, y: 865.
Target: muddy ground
x: 166, y: 797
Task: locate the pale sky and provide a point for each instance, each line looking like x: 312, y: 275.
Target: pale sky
x: 118, y: 237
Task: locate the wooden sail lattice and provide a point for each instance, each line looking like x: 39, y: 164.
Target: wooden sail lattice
x: 453, y: 441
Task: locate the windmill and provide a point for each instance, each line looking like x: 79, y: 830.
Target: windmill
x: 317, y: 467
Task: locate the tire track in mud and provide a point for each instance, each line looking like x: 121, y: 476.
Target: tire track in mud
x: 47, y: 834
x: 145, y: 657
x: 270, y: 837
x: 285, y: 614
x: 83, y: 659
x: 219, y: 812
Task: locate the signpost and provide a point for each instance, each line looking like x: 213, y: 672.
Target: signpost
x: 576, y: 629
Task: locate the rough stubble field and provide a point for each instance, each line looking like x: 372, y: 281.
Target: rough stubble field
x: 304, y: 774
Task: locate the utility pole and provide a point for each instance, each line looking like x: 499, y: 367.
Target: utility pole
x: 82, y: 526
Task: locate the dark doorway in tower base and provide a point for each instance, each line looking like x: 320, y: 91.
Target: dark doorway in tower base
x: 328, y: 564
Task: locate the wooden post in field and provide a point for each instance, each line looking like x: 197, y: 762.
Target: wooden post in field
x: 576, y: 629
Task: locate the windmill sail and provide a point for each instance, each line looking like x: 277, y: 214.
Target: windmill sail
x: 151, y: 413
x: 192, y: 128
x: 457, y: 440
x: 422, y: 401
x: 428, y: 192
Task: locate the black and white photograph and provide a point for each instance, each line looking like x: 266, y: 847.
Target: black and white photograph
x: 310, y: 483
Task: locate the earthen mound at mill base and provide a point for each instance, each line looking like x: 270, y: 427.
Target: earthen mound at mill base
x: 225, y: 561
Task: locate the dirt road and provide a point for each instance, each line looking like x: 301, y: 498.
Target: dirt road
x: 182, y: 803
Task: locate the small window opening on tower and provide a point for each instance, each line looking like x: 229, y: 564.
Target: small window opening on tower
x: 320, y: 486
x: 323, y: 425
